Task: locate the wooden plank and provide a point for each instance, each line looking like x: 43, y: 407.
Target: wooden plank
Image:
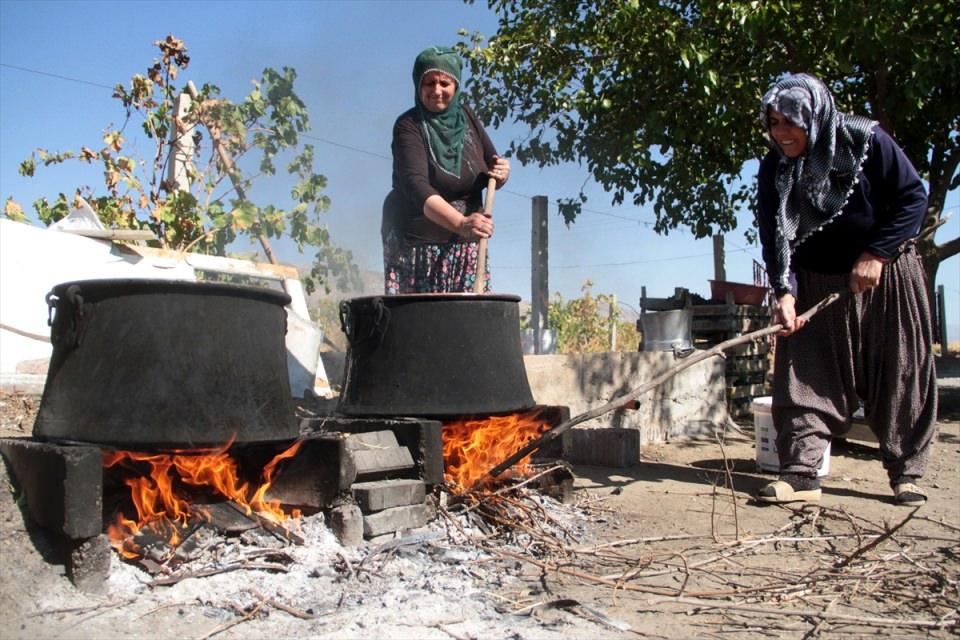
x: 740, y: 310
x: 204, y: 262
x: 114, y: 234
x: 758, y: 364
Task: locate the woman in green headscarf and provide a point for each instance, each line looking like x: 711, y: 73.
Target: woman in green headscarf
x: 433, y: 217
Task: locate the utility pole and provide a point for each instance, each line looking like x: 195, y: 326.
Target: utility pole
x: 719, y: 268
x: 612, y: 319
x: 540, y: 292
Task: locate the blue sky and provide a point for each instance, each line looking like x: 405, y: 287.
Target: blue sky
x: 353, y: 59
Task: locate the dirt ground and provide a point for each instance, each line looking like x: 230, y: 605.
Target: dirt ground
x: 670, y: 548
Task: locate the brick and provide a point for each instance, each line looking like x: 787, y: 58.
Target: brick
x: 395, y: 519
x: 604, y: 447
x: 374, y: 462
x: 63, y: 485
x: 384, y: 494
x: 421, y: 437
x: 372, y: 440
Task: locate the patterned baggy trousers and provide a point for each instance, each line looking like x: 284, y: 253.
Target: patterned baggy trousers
x: 873, y: 348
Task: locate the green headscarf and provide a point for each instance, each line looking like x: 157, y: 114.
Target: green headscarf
x: 444, y: 131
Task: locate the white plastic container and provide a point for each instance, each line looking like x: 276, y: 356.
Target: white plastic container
x: 766, y: 436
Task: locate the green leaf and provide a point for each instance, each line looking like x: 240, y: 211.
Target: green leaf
x: 13, y: 211
x: 244, y: 216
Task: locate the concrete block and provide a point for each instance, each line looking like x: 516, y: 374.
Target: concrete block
x: 317, y: 476
x: 346, y: 522
x: 89, y: 564
x: 384, y: 494
x: 604, y: 447
x: 63, y: 485
x: 395, y: 519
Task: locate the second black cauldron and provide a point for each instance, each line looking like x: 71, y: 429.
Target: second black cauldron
x: 433, y: 355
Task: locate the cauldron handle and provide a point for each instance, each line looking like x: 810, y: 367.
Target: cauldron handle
x: 66, y: 331
x: 376, y: 329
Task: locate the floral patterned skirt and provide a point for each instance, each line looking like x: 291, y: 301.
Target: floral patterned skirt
x: 448, y: 267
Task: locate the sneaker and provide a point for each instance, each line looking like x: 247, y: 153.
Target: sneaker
x: 790, y: 488
x: 908, y: 494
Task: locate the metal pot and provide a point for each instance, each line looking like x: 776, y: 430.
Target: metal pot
x: 433, y: 355
x: 667, y: 330
x: 166, y: 363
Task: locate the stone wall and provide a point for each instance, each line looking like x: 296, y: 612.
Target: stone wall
x: 690, y: 404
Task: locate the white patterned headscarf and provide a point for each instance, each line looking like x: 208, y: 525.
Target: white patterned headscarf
x: 815, y: 186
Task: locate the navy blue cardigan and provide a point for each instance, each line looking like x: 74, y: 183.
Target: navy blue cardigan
x: 884, y: 210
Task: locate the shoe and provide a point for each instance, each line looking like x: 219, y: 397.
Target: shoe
x: 781, y: 492
x: 908, y: 494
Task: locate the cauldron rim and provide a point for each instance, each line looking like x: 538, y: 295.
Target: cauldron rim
x: 96, y: 289
x: 449, y: 297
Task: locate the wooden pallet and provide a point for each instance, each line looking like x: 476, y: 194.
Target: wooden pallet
x: 748, y: 365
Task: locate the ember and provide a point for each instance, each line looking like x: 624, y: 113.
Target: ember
x: 471, y: 447
x: 159, y: 492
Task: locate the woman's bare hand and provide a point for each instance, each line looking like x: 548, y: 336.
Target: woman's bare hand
x: 866, y: 272
x: 500, y: 171
x: 786, y: 314
x: 476, y: 226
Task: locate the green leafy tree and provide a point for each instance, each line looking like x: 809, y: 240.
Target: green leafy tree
x: 228, y: 146
x: 659, y: 99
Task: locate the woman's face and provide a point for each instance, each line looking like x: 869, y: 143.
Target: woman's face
x: 437, y: 90
x: 791, y: 139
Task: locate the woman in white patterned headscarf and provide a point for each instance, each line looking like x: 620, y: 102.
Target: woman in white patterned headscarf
x: 839, y: 207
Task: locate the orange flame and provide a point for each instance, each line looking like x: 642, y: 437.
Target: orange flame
x: 472, y: 447
x: 165, y: 511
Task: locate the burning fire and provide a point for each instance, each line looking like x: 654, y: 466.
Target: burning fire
x: 159, y: 495
x: 474, y: 446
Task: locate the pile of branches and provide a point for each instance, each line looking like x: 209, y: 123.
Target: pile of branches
x: 825, y: 569
x: 519, y: 513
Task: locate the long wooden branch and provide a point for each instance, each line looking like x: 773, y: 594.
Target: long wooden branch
x: 619, y: 402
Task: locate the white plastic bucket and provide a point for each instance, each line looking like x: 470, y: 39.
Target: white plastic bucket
x: 766, y: 436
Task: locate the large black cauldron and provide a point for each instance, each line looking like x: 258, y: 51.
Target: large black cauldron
x: 433, y: 355
x: 140, y: 363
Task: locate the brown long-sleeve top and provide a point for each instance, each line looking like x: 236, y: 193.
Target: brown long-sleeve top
x: 416, y: 177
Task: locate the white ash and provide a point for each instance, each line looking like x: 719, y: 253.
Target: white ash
x: 439, y: 586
